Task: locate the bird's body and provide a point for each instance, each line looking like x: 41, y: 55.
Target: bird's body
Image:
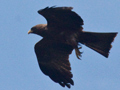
x: 61, y: 35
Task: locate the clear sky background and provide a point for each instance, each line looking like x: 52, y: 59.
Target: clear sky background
x: 19, y: 69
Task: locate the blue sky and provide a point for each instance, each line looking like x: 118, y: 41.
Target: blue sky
x: 19, y: 69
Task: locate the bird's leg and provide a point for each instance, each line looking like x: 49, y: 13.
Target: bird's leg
x: 78, y: 53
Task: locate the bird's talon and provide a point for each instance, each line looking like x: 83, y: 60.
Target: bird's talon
x: 78, y: 53
x: 79, y: 47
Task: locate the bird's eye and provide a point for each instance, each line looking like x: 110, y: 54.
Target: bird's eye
x: 33, y: 28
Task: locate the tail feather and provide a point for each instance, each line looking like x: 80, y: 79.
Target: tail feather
x: 100, y: 42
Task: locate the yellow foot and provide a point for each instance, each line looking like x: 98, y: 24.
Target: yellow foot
x: 78, y: 53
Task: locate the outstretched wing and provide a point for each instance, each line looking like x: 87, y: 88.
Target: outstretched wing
x: 53, y: 61
x: 61, y: 17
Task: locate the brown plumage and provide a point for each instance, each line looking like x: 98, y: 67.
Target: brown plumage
x: 63, y: 33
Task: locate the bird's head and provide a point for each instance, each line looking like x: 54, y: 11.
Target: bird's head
x: 40, y: 29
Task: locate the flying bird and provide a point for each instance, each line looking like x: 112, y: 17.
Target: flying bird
x: 62, y: 34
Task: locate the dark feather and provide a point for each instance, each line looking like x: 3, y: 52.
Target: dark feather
x: 100, y: 42
x: 53, y: 61
x: 61, y: 17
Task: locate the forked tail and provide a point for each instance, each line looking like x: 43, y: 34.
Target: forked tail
x: 100, y: 42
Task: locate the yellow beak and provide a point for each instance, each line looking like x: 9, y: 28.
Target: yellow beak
x: 30, y: 31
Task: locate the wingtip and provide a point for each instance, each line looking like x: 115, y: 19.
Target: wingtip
x: 55, y: 7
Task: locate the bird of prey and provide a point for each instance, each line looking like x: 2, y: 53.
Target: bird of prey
x: 62, y: 34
